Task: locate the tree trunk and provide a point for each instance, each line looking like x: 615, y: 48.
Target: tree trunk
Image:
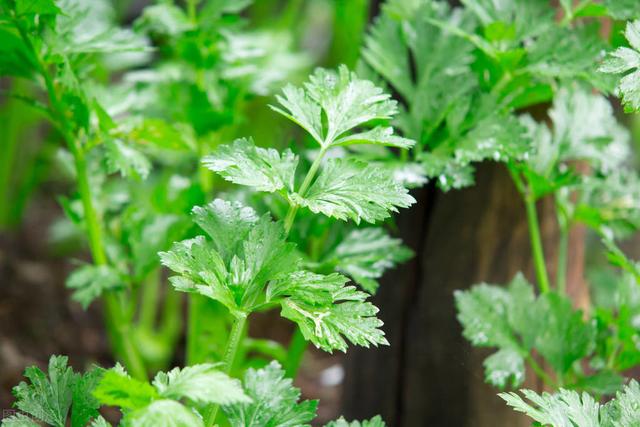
x: 430, y: 375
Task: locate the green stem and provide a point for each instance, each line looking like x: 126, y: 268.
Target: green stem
x: 171, y: 320
x: 534, y: 229
x: 536, y: 244
x: 293, y: 209
x: 295, y: 352
x: 563, y: 249
x: 149, y: 303
x: 539, y: 371
x: 298, y: 344
x: 192, y: 12
x: 116, y: 319
x: 235, y: 339
x: 193, y: 327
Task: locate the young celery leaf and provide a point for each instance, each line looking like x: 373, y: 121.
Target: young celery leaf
x: 258, y: 253
x: 348, y: 102
x: 564, y: 408
x: 611, y: 202
x: 163, y: 413
x: 248, y: 263
x: 349, y: 188
x: 116, y: 388
x: 202, y: 383
x: 605, y: 144
x: 569, y: 408
x: 245, y: 164
x: 626, y: 60
x: 373, y: 422
x: 484, y: 312
x: 326, y: 310
x: 126, y: 160
x: 515, y: 322
x: 49, y: 398
x: 144, y: 405
x: 227, y: 223
x: 91, y: 281
x: 274, y: 401
x: 365, y: 254
x: 427, y: 66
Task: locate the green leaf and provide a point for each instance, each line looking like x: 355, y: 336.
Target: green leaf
x: 164, y: 19
x: 365, y: 254
x: 564, y: 408
x: 427, y: 66
x: 504, y: 368
x: 227, y: 223
x: 201, y: 270
x: 483, y: 312
x: 148, y: 233
x: 47, y: 398
x: 346, y: 101
x: 245, y: 164
x: 163, y: 413
x: 36, y: 7
x: 373, y: 422
x: 116, y: 388
x: 100, y: 422
x: 610, y: 202
x: 622, y: 9
x: 618, y: 258
x: 274, y: 401
x: 624, y: 410
x: 498, y: 137
x: 601, y: 383
x: 378, y: 136
x: 302, y: 110
x: 262, y: 60
x: 159, y: 133
x: 604, y: 144
x: 563, y: 337
x: 85, y: 405
x: 202, y: 383
x: 328, y: 326
x: 255, y: 255
x: 626, y: 61
x: 19, y: 420
x: 91, y: 281
x: 90, y: 28
x: 515, y: 322
x: 326, y: 310
x: 126, y: 160
x: 569, y: 408
x: 16, y: 59
x: 349, y: 188
x: 312, y: 288
x: 449, y: 173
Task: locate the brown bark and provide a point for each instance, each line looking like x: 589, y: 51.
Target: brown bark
x: 430, y: 375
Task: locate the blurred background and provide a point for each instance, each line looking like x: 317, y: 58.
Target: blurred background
x: 429, y: 375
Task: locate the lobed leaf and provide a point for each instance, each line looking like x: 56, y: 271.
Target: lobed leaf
x: 347, y: 102
x: 274, y: 401
x: 164, y: 413
x: 116, y: 388
x: 365, y: 254
x: 626, y: 60
x: 91, y: 281
x: 349, y: 188
x: 202, y: 383
x: 245, y: 164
